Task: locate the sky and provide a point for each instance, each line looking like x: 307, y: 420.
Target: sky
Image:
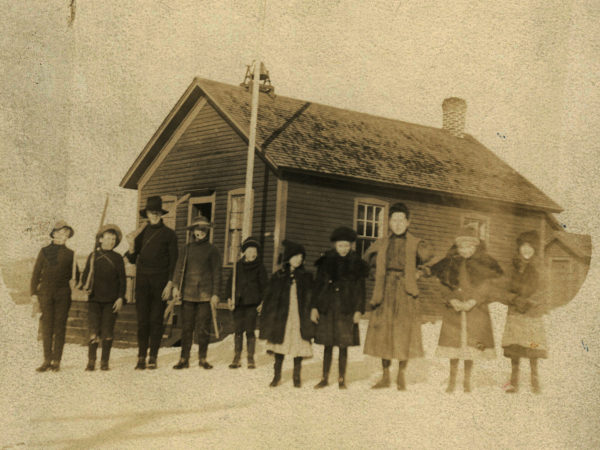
x: 80, y: 100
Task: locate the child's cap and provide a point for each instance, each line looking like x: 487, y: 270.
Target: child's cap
x: 110, y: 227
x: 59, y: 225
x: 467, y: 235
x: 250, y: 242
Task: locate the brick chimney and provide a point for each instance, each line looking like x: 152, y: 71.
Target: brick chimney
x: 454, y: 112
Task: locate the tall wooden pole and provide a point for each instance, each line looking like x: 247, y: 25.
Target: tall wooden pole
x: 248, y: 200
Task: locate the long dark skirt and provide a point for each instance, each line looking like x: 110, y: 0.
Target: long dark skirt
x: 336, y: 328
x: 394, y: 327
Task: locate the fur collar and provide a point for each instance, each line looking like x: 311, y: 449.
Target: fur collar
x: 480, y: 267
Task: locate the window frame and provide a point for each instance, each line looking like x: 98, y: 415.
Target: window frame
x: 231, y: 193
x: 196, y: 201
x: 479, y: 217
x: 370, y: 201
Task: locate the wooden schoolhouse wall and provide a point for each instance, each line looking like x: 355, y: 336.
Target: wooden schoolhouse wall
x: 316, y: 206
x: 210, y: 157
x: 566, y: 271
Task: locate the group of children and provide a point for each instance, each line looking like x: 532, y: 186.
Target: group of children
x: 292, y: 308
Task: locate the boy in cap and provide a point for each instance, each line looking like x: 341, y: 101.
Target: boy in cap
x: 199, y: 272
x: 154, y: 252
x: 106, y: 290
x: 394, y: 330
x: 250, y: 283
x: 54, y: 274
x: 466, y: 330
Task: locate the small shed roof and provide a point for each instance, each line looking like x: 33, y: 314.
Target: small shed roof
x: 309, y: 137
x: 579, y: 244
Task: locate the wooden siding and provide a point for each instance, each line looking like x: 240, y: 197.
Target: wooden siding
x: 211, y: 157
x: 315, y: 207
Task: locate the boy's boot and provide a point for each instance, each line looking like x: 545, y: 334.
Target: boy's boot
x: 238, y: 342
x: 141, y: 363
x: 106, y: 346
x: 92, y: 352
x: 326, y: 367
x: 467, y: 378
x: 514, y: 377
x: 44, y: 367
x: 400, y: 381
x: 452, y: 378
x: 251, y: 346
x: 55, y: 366
x: 152, y: 364
x: 385, y: 378
x: 297, y: 369
x: 277, y: 369
x: 184, y: 363
x: 535, y: 382
x: 343, y: 358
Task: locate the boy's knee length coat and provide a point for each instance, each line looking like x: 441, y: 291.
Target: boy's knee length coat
x: 276, y: 305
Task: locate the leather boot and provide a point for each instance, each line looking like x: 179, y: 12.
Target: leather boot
x: 385, y: 378
x: 467, y: 378
x: 152, y: 364
x: 238, y: 342
x: 251, y: 347
x: 452, y: 378
x: 400, y: 381
x: 343, y: 358
x: 106, y: 346
x: 184, y: 363
x: 141, y: 363
x: 297, y: 369
x: 44, y: 367
x: 92, y: 352
x: 514, y: 377
x: 277, y: 369
x: 326, y: 368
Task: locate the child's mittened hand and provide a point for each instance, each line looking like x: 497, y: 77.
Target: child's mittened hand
x: 176, y: 294
x: 469, y: 305
x: 314, y: 315
x: 357, y: 316
x: 231, y: 304
x: 214, y: 300
x: 166, y: 293
x: 457, y: 305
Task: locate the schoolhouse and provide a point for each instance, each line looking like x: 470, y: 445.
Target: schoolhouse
x: 318, y: 167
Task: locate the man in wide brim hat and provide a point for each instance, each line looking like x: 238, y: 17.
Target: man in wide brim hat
x: 59, y: 225
x: 153, y: 204
x: 110, y: 227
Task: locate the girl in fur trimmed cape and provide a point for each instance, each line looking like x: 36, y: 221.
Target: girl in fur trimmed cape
x: 466, y: 323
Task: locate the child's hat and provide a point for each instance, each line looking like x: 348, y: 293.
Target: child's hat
x: 292, y: 249
x: 467, y: 235
x: 200, y: 222
x: 343, y: 234
x: 59, y: 225
x: 250, y: 242
x: 110, y: 227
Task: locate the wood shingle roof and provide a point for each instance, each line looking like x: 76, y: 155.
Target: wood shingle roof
x: 327, y: 141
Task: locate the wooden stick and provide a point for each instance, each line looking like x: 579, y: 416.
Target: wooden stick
x: 213, y: 309
x: 88, y: 282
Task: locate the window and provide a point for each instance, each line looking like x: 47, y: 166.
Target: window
x: 204, y: 206
x: 370, y: 222
x: 235, y: 220
x: 479, y: 223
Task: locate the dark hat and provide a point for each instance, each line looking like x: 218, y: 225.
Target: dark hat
x: 399, y: 207
x: 292, y: 249
x: 110, y: 227
x: 153, y: 203
x: 467, y: 234
x: 59, y: 225
x: 200, y: 222
x: 250, y: 242
x: 529, y: 237
x: 343, y: 234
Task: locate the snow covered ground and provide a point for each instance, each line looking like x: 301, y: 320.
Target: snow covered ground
x: 224, y: 408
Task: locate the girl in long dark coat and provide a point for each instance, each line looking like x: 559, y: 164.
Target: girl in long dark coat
x: 338, y: 301
x: 250, y: 283
x: 285, y: 312
x: 524, y: 332
x: 466, y: 323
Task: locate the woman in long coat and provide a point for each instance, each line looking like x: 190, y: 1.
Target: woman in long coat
x: 466, y: 331
x: 285, y: 312
x: 394, y: 330
x: 338, y: 301
x: 524, y: 332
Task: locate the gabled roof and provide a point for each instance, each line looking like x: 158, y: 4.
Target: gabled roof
x: 296, y: 135
x: 579, y: 244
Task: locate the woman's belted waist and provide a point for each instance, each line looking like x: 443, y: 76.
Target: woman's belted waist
x: 391, y: 269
